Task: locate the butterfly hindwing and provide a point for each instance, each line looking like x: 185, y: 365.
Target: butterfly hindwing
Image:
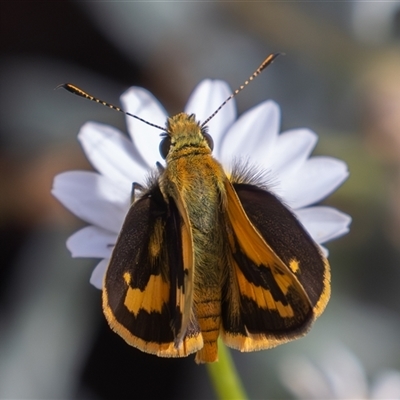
x: 268, y: 298
x: 144, y: 286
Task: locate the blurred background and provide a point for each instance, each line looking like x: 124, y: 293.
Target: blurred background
x: 340, y: 77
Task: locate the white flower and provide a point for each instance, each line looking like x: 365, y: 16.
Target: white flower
x: 102, y: 199
x: 337, y: 375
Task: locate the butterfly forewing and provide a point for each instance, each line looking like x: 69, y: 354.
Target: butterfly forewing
x: 267, y: 299
x: 144, y: 282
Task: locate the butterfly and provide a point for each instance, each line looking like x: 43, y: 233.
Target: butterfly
x: 203, y: 254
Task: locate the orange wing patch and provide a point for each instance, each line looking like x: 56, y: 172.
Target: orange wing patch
x: 184, y: 288
x: 262, y: 296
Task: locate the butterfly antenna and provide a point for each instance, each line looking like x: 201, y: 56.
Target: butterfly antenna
x: 79, y: 92
x: 257, y: 72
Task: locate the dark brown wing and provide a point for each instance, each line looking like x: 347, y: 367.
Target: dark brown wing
x: 278, y: 280
x: 144, y: 286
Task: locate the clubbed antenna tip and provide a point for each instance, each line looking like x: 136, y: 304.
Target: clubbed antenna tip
x: 257, y: 72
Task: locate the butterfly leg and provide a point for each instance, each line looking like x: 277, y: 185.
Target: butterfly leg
x: 160, y: 167
x: 135, y: 186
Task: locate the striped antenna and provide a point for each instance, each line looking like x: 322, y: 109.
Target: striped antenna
x: 257, y: 72
x: 79, y: 92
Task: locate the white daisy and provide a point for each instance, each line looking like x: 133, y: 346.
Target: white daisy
x: 102, y: 199
x: 337, y: 374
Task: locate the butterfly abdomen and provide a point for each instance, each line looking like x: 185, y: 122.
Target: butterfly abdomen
x: 208, y: 314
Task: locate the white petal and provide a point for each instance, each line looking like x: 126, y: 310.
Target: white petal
x: 317, y: 178
x: 304, y: 379
x: 146, y: 138
x: 91, y: 241
x: 324, y: 223
x: 97, y: 276
x: 386, y: 385
x: 253, y: 135
x: 110, y: 152
x: 204, y: 100
x: 291, y: 150
x: 93, y: 198
x: 345, y: 373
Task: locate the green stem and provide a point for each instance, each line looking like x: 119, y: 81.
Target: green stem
x: 224, y: 376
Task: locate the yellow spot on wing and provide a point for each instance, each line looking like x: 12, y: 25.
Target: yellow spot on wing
x: 127, y: 278
x: 270, y: 300
x: 151, y: 299
x: 156, y: 239
x: 294, y: 266
x: 284, y: 311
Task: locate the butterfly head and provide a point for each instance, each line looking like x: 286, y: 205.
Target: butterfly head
x: 184, y: 133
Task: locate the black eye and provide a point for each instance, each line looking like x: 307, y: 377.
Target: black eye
x: 165, y: 144
x: 209, y: 140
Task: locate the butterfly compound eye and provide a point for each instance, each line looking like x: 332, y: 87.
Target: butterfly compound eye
x: 165, y: 145
x: 209, y: 140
